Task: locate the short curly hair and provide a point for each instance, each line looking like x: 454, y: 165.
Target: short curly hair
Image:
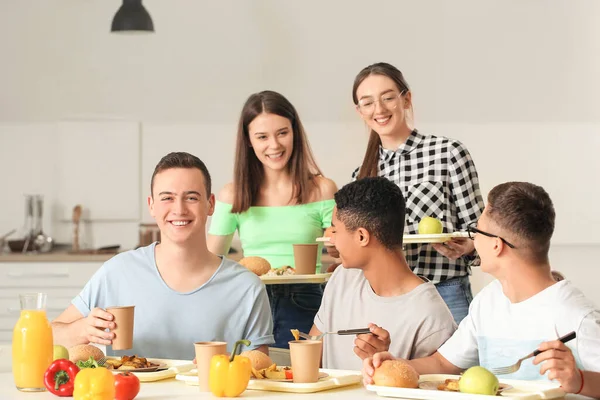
x: 375, y: 204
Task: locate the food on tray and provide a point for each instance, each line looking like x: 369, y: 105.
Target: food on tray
x: 285, y: 270
x: 258, y: 359
x: 478, y: 380
x: 396, y: 373
x: 258, y: 265
x: 272, y: 372
x: 83, y: 352
x: 430, y: 226
x: 295, y: 334
x: 128, y: 363
x: 449, y: 385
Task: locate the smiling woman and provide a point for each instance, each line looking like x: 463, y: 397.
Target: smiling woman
x: 278, y: 198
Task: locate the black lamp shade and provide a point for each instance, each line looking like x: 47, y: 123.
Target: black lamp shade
x: 132, y: 16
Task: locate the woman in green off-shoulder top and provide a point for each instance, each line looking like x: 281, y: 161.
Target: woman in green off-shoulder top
x: 278, y: 198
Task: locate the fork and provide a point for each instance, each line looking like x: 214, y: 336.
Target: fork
x: 342, y: 332
x: 101, y: 361
x: 515, y: 367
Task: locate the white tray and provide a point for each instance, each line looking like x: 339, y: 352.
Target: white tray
x: 174, y: 367
x: 522, y: 390
x: 433, y: 238
x: 288, y: 279
x: 410, y: 239
x: 337, y: 378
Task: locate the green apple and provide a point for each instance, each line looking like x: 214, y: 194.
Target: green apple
x: 429, y: 226
x: 478, y: 380
x: 60, y: 352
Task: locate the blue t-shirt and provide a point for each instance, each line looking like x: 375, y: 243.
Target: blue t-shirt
x: 230, y: 306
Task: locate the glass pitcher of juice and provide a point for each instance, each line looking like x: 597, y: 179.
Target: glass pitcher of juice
x: 32, y: 345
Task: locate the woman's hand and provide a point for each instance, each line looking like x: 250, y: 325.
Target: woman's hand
x: 455, y: 247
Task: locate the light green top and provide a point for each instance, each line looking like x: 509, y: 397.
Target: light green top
x: 270, y: 232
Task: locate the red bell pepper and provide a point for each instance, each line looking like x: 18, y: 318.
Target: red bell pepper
x: 59, y: 378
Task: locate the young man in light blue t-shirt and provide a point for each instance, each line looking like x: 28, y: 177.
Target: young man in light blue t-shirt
x: 182, y: 293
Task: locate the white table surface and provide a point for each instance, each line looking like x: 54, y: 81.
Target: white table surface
x: 172, y: 389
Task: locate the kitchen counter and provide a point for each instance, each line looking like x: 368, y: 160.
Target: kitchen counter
x: 53, y: 257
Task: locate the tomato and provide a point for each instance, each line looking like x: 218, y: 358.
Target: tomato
x: 127, y: 386
x: 288, y: 373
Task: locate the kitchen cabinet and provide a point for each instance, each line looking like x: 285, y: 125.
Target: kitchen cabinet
x: 62, y: 281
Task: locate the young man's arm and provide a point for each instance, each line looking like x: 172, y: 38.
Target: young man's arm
x: 434, y: 364
x: 72, y: 328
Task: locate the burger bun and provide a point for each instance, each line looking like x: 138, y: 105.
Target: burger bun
x: 83, y: 352
x: 396, y: 373
x: 258, y: 265
x: 258, y: 359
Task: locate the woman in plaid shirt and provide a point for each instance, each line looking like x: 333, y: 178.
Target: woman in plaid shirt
x: 436, y: 175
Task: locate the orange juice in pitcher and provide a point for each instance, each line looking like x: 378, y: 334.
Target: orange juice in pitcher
x: 32, y: 346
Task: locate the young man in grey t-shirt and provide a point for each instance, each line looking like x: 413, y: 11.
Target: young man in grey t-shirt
x: 375, y: 287
x: 182, y: 293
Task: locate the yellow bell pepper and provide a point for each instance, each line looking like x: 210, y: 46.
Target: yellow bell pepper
x: 229, y: 377
x: 94, y: 384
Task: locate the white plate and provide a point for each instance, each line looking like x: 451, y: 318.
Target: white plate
x: 173, y: 367
x: 288, y: 279
x: 522, y: 390
x: 336, y: 379
x: 410, y: 239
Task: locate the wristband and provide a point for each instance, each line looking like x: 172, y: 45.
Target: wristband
x: 580, y: 374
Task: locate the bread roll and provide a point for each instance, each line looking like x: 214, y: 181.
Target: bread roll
x: 83, y: 352
x: 258, y: 265
x: 328, y: 232
x: 258, y: 359
x: 396, y: 373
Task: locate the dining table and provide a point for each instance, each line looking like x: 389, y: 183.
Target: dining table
x: 174, y: 389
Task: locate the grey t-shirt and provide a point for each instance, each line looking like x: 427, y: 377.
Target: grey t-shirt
x: 419, y: 322
x: 230, y: 306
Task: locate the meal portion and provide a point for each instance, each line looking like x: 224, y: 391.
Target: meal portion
x: 263, y: 366
x: 129, y: 363
x: 260, y: 267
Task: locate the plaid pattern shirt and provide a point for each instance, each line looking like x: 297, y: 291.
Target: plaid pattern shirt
x: 438, y: 178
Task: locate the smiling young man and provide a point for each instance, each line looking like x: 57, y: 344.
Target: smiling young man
x: 525, y: 308
x: 376, y: 287
x: 182, y: 293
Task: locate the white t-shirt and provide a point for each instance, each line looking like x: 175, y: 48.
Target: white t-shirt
x: 496, y: 332
x: 418, y: 321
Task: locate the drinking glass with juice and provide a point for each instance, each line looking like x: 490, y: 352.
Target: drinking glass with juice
x: 32, y: 345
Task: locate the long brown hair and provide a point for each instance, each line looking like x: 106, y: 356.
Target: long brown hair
x: 371, y: 159
x: 249, y: 171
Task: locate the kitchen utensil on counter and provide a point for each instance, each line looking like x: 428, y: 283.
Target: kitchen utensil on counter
x: 43, y: 243
x: 76, y: 218
x: 3, y: 239
x: 25, y: 242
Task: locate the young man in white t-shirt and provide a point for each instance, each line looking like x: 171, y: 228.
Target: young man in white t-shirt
x: 376, y: 288
x: 525, y: 308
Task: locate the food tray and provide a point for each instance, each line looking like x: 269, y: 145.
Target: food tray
x: 522, y: 390
x: 288, y: 279
x: 337, y: 378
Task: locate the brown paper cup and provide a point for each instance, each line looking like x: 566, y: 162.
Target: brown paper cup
x: 305, y: 258
x: 204, y: 352
x: 306, y: 357
x: 124, y: 327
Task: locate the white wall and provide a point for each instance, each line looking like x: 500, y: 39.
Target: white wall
x: 516, y: 81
